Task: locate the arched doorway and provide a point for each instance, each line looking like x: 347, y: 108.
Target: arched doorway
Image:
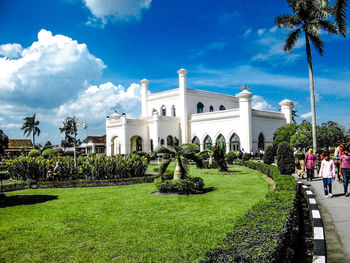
x: 207, y: 142
x: 220, y: 139
x: 235, y: 143
x: 135, y: 144
x: 261, y: 141
x: 196, y: 141
x: 163, y: 110
x: 169, y: 140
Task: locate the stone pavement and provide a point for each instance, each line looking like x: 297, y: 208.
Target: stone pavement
x: 335, y: 213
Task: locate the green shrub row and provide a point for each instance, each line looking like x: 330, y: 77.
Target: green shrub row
x: 97, y: 167
x: 262, y: 234
x: 80, y: 183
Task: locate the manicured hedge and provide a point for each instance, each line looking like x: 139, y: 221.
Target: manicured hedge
x: 81, y: 183
x: 262, y: 234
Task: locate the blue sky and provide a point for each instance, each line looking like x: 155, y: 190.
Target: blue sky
x: 61, y: 57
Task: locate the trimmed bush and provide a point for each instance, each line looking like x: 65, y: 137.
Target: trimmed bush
x: 51, y: 152
x: 231, y: 156
x: 93, y: 168
x: 285, y: 158
x: 191, y: 185
x: 269, y: 156
x: 34, y: 153
x: 246, y: 157
x: 263, y: 233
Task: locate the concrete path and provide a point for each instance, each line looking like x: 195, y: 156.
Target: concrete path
x: 335, y: 214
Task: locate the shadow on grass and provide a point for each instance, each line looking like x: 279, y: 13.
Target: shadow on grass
x: 14, y: 200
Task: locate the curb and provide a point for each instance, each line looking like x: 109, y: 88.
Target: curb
x: 320, y: 253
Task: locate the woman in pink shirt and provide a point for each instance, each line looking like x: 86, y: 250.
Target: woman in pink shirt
x: 345, y: 169
x: 310, y: 164
x: 327, y: 172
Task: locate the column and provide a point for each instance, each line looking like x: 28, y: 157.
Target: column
x: 245, y: 110
x: 144, y: 96
x: 183, y: 105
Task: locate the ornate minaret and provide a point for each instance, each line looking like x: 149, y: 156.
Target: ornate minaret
x: 183, y: 105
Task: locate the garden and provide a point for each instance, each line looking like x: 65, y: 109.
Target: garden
x: 128, y: 223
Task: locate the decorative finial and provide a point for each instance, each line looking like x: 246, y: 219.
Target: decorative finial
x: 244, y: 87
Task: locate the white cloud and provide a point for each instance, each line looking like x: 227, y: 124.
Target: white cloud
x: 105, y: 10
x: 49, y: 72
x: 96, y: 102
x: 11, y: 50
x: 247, y: 32
x: 261, y: 31
x: 259, y: 103
x: 306, y: 115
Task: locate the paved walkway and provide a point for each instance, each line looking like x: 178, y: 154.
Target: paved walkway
x: 335, y: 214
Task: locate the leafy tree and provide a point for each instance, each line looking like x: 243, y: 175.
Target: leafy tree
x: 48, y: 145
x: 303, y: 136
x: 309, y: 17
x: 331, y: 134
x: 30, y: 126
x: 4, y: 140
x: 179, y: 152
x: 283, y: 134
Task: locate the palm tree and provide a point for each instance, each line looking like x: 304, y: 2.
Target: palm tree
x: 310, y: 16
x: 30, y: 126
x: 178, y: 152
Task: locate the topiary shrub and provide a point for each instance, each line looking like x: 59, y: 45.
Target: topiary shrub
x: 285, y: 158
x: 51, y: 152
x: 246, y: 157
x: 231, y: 156
x: 269, y: 155
x: 34, y: 153
x: 191, y: 185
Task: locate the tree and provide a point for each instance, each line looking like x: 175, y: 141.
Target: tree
x: 285, y: 159
x: 309, y: 17
x: 30, y: 126
x: 269, y: 156
x: 303, y: 136
x: 331, y: 134
x: 4, y: 140
x: 47, y: 145
x: 178, y: 152
x: 283, y: 134
x: 219, y: 154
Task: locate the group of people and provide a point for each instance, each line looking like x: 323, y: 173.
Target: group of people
x: 326, y: 167
x: 53, y: 174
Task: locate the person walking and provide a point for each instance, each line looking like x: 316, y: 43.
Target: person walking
x: 310, y: 164
x: 318, y: 161
x: 327, y: 172
x: 345, y: 169
x: 338, y: 152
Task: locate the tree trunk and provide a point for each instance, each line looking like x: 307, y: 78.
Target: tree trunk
x: 33, y: 140
x: 312, y: 92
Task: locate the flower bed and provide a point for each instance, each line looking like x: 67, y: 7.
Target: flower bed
x: 263, y: 233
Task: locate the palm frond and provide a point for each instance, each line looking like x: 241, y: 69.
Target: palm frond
x: 287, y: 21
x: 291, y: 40
x: 194, y: 157
x: 164, y: 149
x: 340, y: 15
x: 328, y: 26
x: 317, y: 42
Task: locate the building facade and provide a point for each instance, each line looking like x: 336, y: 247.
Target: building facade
x: 195, y: 116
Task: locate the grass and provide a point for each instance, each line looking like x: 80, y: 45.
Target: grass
x: 127, y: 223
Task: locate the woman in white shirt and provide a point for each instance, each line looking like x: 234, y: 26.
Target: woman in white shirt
x: 327, y: 172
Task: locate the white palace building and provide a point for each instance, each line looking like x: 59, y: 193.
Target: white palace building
x: 195, y: 116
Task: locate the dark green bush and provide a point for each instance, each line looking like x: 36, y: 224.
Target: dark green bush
x: 219, y: 155
x: 263, y: 233
x: 246, y: 157
x: 269, y: 155
x: 285, y: 158
x: 230, y: 157
x: 191, y: 185
x: 34, y: 153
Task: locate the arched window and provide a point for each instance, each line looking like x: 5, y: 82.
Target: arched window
x: 169, y: 140
x: 173, y: 111
x: 207, y: 142
x: 195, y: 140
x: 261, y: 141
x: 234, y: 143
x: 162, y: 142
x: 139, y: 144
x: 211, y: 108
x: 222, y: 107
x: 151, y: 145
x: 163, y: 110
x: 220, y: 139
x: 200, y: 107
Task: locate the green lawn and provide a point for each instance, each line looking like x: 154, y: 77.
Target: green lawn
x: 127, y: 223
